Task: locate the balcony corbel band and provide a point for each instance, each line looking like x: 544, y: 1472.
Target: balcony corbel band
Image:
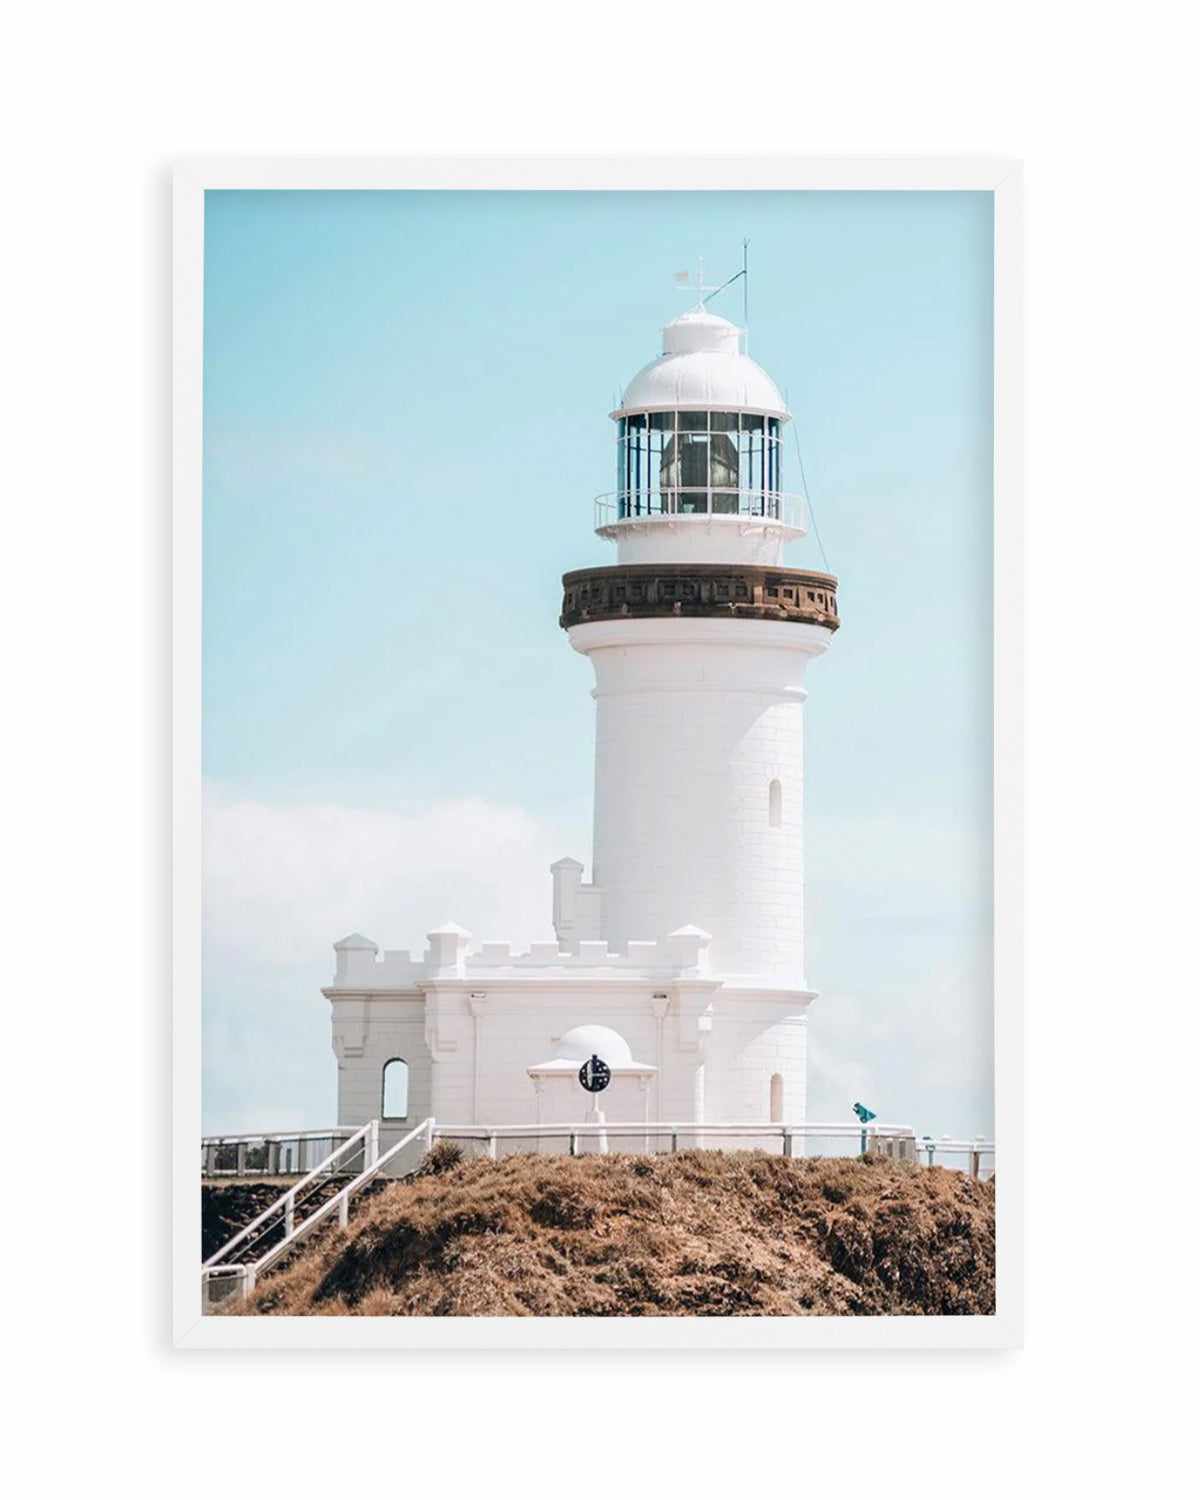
x: 730, y: 591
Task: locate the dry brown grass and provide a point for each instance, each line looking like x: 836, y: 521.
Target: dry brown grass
x: 702, y: 1233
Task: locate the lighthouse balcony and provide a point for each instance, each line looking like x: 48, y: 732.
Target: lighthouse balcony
x: 732, y: 591
x: 691, y: 504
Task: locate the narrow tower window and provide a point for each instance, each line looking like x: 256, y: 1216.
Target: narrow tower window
x: 776, y: 1098
x: 395, y: 1089
x: 775, y: 804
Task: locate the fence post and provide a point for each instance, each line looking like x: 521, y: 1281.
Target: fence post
x: 973, y: 1161
x: 289, y: 1214
x: 571, y: 1147
x: 674, y: 1142
x: 492, y: 1147
x: 788, y: 1138
x: 239, y: 1160
x: 429, y: 1130
x: 344, y: 1210
x: 372, y: 1147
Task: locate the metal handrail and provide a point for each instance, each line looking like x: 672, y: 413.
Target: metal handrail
x: 928, y: 1143
x: 783, y: 1131
x: 778, y: 507
x: 682, y: 1127
x: 371, y: 1129
x: 249, y: 1273
x: 341, y: 1201
x: 331, y: 1132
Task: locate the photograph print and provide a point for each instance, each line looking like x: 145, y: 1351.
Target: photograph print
x: 597, y: 755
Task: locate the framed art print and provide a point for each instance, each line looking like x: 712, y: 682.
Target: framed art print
x: 598, y: 799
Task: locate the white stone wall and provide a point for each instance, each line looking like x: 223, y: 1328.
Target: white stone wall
x: 701, y: 539
x: 752, y: 1048
x: 715, y: 1050
x: 518, y: 1029
x: 369, y: 1030
x: 694, y: 720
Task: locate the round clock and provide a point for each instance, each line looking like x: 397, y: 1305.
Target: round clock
x: 595, y: 1075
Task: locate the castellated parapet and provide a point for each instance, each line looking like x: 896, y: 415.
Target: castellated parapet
x: 361, y: 964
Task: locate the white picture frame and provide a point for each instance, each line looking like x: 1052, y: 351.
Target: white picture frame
x: 1001, y: 177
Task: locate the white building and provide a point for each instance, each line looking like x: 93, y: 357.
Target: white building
x: 688, y: 940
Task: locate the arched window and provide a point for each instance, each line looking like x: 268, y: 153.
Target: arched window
x: 776, y: 1098
x: 395, y: 1089
x: 775, y: 804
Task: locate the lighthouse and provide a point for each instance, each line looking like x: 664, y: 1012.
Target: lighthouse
x: 682, y: 956
x: 700, y: 640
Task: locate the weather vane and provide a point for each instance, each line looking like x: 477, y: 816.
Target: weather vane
x: 685, y: 283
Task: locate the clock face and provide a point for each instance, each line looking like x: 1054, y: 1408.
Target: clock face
x: 595, y: 1075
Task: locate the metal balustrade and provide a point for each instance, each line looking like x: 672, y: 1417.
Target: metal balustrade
x: 792, y: 1139
x: 785, y: 509
x: 976, y: 1150
x: 221, y: 1277
x: 285, y: 1153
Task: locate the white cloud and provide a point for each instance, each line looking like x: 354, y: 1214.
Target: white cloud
x: 284, y: 882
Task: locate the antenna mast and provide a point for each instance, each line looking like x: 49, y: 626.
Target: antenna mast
x: 746, y: 295
x: 685, y: 283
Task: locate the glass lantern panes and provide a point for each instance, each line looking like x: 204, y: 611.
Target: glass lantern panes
x: 698, y: 463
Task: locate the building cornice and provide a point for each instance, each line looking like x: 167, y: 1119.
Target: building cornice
x: 563, y: 983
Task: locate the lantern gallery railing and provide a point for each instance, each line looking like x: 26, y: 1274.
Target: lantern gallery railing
x: 786, y: 510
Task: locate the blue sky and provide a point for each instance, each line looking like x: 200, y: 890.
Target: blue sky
x: 406, y: 400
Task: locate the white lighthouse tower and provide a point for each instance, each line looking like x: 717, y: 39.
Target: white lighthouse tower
x: 686, y: 948
x: 700, y: 639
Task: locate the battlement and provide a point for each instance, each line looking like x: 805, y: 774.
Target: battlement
x: 362, y: 965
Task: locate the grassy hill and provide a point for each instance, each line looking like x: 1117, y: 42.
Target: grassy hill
x: 702, y: 1233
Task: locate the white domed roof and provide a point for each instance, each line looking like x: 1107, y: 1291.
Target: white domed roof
x: 702, y: 367
x: 580, y: 1042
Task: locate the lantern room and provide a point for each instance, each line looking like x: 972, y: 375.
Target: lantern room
x: 699, y: 434
x: 698, y: 463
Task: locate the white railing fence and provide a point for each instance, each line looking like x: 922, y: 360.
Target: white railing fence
x: 357, y: 1152
x: 283, y: 1153
x: 802, y: 1138
x: 220, y: 1279
x: 980, y: 1154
